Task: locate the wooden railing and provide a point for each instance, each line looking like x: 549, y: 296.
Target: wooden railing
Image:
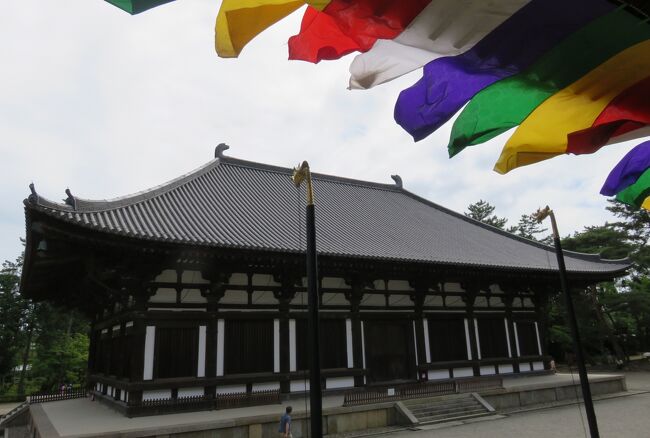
x: 63, y: 395
x: 222, y: 401
x: 189, y: 401
x: 419, y: 390
x: 241, y: 399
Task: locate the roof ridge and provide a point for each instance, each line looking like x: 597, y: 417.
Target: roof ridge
x: 92, y: 205
x: 580, y: 255
x: 316, y: 175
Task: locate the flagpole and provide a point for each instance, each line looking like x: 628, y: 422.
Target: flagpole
x: 300, y: 174
x: 577, y: 344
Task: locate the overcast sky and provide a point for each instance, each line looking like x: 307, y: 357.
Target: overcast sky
x: 108, y: 104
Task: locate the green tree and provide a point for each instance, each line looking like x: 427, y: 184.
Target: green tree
x: 483, y: 211
x: 13, y: 312
x: 530, y: 228
x: 60, y: 347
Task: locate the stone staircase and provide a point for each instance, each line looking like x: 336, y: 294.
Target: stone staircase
x: 446, y: 408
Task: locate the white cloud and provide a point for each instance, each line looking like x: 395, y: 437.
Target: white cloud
x: 108, y: 104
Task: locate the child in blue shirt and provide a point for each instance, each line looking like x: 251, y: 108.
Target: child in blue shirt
x: 285, y: 424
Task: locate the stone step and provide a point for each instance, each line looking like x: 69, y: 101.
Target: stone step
x: 459, y: 418
x: 419, y: 406
x: 451, y: 416
x: 448, y: 409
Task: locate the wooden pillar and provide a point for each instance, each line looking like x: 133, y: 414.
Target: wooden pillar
x: 471, y: 290
x: 508, y: 299
x: 213, y: 294
x: 289, y: 280
x: 354, y: 296
x: 421, y: 287
x: 136, y: 373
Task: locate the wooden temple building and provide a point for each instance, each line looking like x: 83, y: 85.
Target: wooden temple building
x: 196, y: 288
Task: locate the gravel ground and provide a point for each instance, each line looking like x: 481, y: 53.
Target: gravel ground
x: 622, y: 417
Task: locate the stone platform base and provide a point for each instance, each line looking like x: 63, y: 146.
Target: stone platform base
x: 84, y: 418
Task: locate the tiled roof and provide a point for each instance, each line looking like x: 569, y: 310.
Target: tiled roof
x: 241, y: 204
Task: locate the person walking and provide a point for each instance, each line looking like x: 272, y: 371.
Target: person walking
x: 285, y: 424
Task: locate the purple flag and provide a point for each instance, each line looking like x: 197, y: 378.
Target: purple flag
x: 628, y: 170
x: 450, y: 82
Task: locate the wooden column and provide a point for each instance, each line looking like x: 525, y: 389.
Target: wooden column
x: 141, y: 297
x: 289, y: 280
x: 354, y: 296
x: 213, y: 294
x: 421, y: 287
x: 471, y: 291
x: 508, y: 298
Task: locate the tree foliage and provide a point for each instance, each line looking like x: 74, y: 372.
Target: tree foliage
x: 483, y: 211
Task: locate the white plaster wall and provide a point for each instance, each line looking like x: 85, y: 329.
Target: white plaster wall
x: 164, y: 295
x: 463, y: 372
x: 276, y: 345
x: 190, y: 392
x: 166, y: 276
x: 200, y: 366
x: 505, y: 369
x: 266, y: 386
x: 453, y: 287
x: 348, y: 343
x: 496, y: 302
x: 339, y: 382
x: 149, y: 344
x: 487, y: 370
x: 454, y: 301
x: 234, y: 297
x: 437, y: 374
x: 481, y: 301
x: 231, y: 389
x: 433, y: 300
x: 334, y: 283
x: 156, y: 394
x: 292, y: 345
x: 239, y: 279
x: 399, y: 285
x: 192, y: 296
x: 220, y: 346
x: 264, y: 280
x: 373, y: 300
x: 264, y: 297
x: 399, y: 301
x: 193, y: 277
x: 334, y: 299
x: 299, y: 385
x: 300, y: 299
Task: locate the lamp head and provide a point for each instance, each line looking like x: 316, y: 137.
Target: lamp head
x: 542, y: 213
x: 300, y: 173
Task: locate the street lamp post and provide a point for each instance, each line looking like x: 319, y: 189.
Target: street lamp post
x: 300, y: 174
x: 577, y: 345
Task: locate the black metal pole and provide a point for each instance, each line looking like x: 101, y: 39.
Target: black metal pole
x: 577, y: 345
x: 315, y: 394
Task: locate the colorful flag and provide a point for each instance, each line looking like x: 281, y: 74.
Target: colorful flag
x: 628, y: 170
x: 544, y: 133
x: 443, y: 28
x: 637, y: 193
x: 345, y: 26
x: 136, y: 6
x: 239, y: 21
x: 629, y: 111
x: 449, y: 83
x: 507, y: 103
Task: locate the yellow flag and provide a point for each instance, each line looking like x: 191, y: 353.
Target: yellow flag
x: 239, y: 21
x: 544, y: 133
x: 646, y: 203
